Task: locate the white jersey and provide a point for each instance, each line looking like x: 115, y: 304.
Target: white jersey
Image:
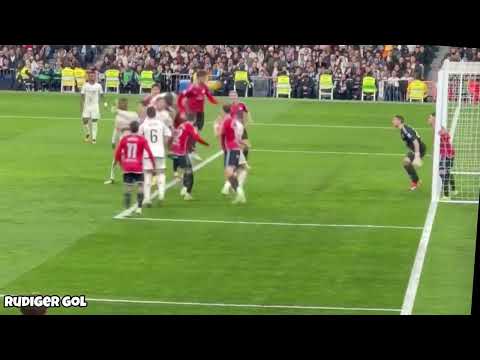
x: 155, y: 130
x: 92, y: 95
x: 124, y: 118
x: 164, y: 116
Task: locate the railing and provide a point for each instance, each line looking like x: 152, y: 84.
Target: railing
x: 260, y: 86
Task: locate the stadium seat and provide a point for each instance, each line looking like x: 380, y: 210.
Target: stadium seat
x: 417, y: 91
x: 283, y: 86
x: 68, y: 80
x: 80, y: 77
x: 146, y: 80
x: 369, y: 87
x: 325, y: 86
x: 112, y: 81
x: 240, y: 81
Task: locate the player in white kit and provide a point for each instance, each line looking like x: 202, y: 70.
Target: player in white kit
x: 123, y: 119
x: 92, y: 93
x: 158, y: 134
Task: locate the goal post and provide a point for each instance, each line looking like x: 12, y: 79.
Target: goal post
x: 458, y: 110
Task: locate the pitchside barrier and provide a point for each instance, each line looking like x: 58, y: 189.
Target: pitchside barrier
x: 260, y: 86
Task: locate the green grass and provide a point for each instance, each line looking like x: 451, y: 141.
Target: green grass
x: 58, y: 235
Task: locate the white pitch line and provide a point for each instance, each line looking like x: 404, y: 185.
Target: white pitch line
x: 208, y: 122
x: 416, y: 273
x: 197, y: 167
x: 366, y: 226
x: 189, y: 303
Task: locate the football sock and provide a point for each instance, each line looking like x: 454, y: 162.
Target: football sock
x: 112, y: 170
x: 227, y: 185
x: 147, y: 186
x: 411, y: 172
x: 234, y: 182
x: 128, y: 199
x: 242, y: 176
x: 445, y: 182
x: 452, y: 181
x: 139, y: 199
x: 161, y: 179
x: 188, y: 181
x: 94, y: 130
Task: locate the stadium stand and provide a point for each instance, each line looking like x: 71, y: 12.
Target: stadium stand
x: 172, y: 66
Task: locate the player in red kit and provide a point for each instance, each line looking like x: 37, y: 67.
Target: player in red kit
x: 129, y: 154
x: 192, y: 102
x: 447, y: 157
x: 231, y: 138
x: 184, y: 132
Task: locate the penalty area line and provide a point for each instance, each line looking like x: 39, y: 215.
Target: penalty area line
x: 130, y: 210
x: 365, y: 226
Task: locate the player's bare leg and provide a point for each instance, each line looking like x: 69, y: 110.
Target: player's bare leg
x: 161, y: 180
x: 232, y: 178
x: 187, y: 184
x: 140, y: 197
x: 127, y: 195
x: 147, y: 188
x: 86, y: 129
x: 412, y: 173
x: 111, y: 180
x: 94, y: 129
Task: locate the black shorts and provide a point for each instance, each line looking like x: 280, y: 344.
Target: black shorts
x: 232, y: 158
x: 132, y: 178
x: 423, y: 151
x: 446, y: 164
x: 197, y: 119
x: 181, y: 161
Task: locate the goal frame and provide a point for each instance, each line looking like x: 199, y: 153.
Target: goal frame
x: 441, y: 111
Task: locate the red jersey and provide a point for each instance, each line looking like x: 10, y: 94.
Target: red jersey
x: 129, y: 153
x: 238, y: 110
x: 231, y: 133
x: 195, y: 95
x: 446, y: 147
x: 181, y: 135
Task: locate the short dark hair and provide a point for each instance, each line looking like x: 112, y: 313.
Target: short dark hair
x: 226, y: 108
x: 201, y: 73
x: 134, y: 125
x: 151, y: 112
x: 123, y: 104
x: 156, y: 85
x: 401, y: 118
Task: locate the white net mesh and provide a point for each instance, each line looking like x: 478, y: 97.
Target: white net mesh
x: 462, y: 121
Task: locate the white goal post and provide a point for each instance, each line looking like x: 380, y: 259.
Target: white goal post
x: 458, y: 110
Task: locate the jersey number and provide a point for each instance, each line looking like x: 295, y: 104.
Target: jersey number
x: 153, y: 136
x: 131, y: 150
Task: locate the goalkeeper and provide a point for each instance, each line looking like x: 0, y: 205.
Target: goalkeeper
x: 417, y: 147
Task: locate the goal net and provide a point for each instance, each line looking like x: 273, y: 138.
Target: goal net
x: 457, y: 179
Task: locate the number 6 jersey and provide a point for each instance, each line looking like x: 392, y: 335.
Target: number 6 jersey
x: 155, y: 130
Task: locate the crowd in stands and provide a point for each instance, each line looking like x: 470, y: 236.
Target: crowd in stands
x: 393, y: 65
x: 463, y: 54
x: 40, y: 65
x: 303, y: 64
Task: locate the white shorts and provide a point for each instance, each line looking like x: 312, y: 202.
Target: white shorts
x: 159, y: 164
x: 91, y: 113
x: 242, y: 160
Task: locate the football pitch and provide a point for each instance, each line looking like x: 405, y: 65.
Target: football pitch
x: 329, y: 227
